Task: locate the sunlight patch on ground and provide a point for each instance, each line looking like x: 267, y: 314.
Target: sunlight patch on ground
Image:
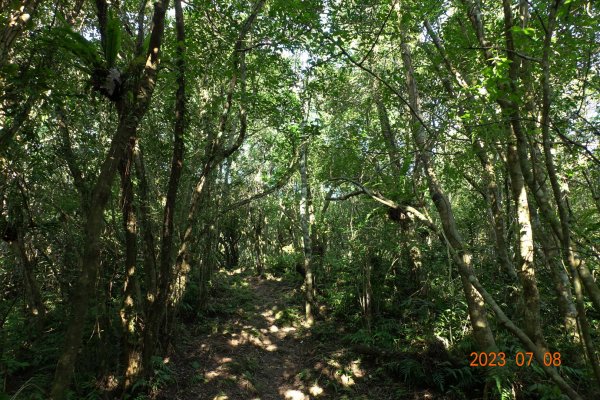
x: 221, y: 397
x: 315, y: 390
x: 343, y: 374
x: 271, y: 277
x: 233, y: 272
x: 307, y: 324
x: 268, y: 315
x: 221, y: 370
x: 295, y: 395
x: 210, y: 375
x: 249, y: 337
x: 357, y: 371
x: 346, y: 380
x: 281, y: 333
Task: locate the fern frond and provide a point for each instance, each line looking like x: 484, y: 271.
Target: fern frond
x: 84, y: 50
x: 113, y: 40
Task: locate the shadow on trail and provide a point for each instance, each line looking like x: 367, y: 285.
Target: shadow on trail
x: 260, y: 350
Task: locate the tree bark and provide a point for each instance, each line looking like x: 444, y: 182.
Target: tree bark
x: 15, y: 25
x: 493, y: 196
x: 131, y: 109
x: 130, y: 307
x: 307, y: 223
x: 476, y: 307
x: 165, y: 275
x: 531, y: 296
x: 386, y: 130
x: 215, y: 152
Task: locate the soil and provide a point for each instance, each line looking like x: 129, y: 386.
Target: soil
x: 262, y: 351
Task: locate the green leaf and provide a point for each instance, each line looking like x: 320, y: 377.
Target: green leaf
x: 85, y: 51
x: 112, y: 44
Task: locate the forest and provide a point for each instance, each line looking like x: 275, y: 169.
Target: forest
x: 299, y: 199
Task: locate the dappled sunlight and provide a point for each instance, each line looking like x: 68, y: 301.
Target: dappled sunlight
x: 233, y: 272
x: 315, y: 390
x: 229, y: 370
x: 220, y: 371
x: 344, y: 374
x: 270, y: 277
x: 346, y: 380
x: 266, y: 354
x: 246, y: 336
x: 295, y: 395
x: 357, y: 371
x: 268, y: 315
x: 279, y: 333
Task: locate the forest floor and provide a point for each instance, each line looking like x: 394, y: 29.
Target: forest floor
x: 255, y: 346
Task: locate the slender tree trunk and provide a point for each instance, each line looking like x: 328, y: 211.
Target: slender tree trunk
x: 510, y: 109
x: 215, y: 153
x: 476, y: 307
x: 538, y: 352
x: 130, y: 307
x: 15, y: 25
x: 519, y: 168
x: 165, y: 275
x: 493, y: 196
x: 367, y: 293
x: 259, y: 243
x: 306, y: 223
x: 562, y: 285
x: 561, y: 196
x: 579, y: 271
x: 207, y: 242
x: 386, y: 130
x: 91, y: 259
x: 150, y: 268
x: 33, y: 297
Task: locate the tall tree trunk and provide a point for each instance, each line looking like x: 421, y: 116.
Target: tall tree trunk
x: 150, y: 278
x: 306, y: 223
x: 131, y: 357
x: 511, y: 110
x: 259, y: 243
x: 386, y: 130
x: 579, y: 271
x: 367, y: 292
x: 132, y: 107
x: 476, y: 306
x: 215, y: 152
x: 165, y: 274
x: 531, y: 296
x: 493, y: 196
x: 33, y: 297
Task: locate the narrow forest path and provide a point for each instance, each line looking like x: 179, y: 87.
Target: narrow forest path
x: 260, y: 350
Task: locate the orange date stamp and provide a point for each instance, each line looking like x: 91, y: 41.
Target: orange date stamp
x: 498, y: 359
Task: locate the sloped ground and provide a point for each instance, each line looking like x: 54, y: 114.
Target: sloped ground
x: 260, y: 350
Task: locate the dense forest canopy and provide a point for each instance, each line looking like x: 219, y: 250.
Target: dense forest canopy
x: 407, y: 192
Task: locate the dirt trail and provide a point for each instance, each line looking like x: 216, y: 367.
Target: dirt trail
x: 253, y: 355
x: 255, y: 348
